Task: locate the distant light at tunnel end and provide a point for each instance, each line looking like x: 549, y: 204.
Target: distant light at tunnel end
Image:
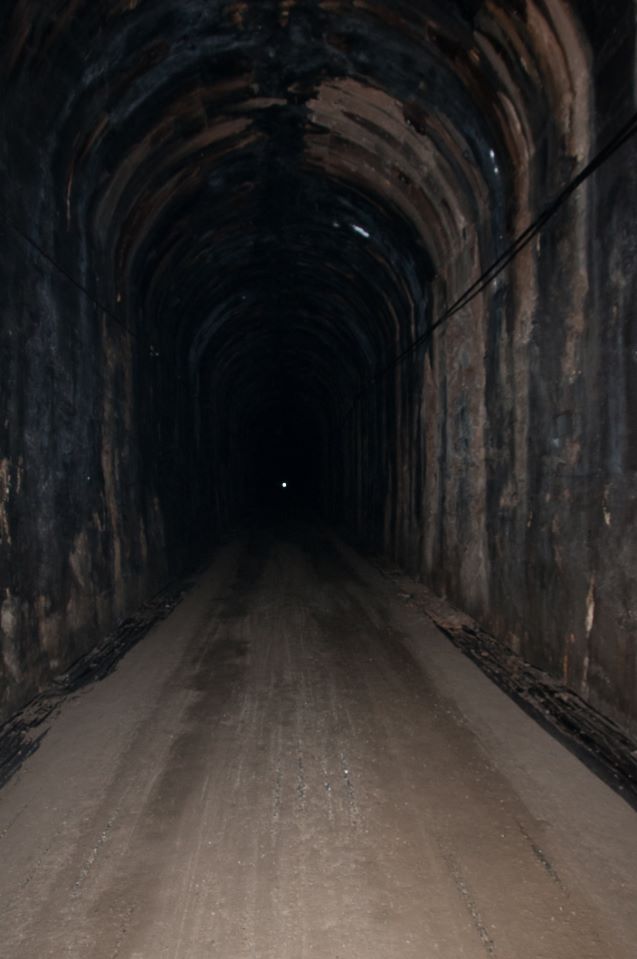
x: 284, y: 485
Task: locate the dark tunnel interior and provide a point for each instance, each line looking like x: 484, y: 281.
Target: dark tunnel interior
x: 254, y: 243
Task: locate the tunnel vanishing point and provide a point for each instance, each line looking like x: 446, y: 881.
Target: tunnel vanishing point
x: 381, y: 251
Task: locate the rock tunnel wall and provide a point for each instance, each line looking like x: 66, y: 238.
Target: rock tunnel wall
x: 221, y: 215
x: 496, y: 461
x: 81, y: 539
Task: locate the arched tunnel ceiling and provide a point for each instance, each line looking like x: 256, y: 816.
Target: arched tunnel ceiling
x: 224, y: 221
x: 270, y: 187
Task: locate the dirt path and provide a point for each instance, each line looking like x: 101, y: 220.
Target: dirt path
x: 296, y: 765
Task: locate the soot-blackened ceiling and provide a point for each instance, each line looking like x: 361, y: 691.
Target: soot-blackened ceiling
x: 265, y: 190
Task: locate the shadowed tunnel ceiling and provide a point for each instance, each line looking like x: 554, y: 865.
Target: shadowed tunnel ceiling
x: 231, y: 230
x: 271, y: 187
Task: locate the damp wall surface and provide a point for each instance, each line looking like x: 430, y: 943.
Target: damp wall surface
x: 96, y: 510
x: 81, y: 543
x: 498, y: 461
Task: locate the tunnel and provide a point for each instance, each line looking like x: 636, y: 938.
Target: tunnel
x: 306, y: 271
